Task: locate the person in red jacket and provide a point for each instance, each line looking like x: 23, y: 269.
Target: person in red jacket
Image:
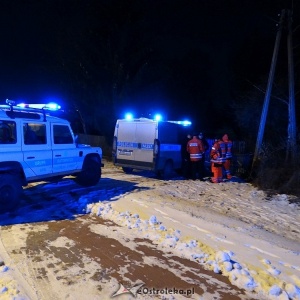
x: 228, y: 155
x: 195, y: 148
x: 216, y: 161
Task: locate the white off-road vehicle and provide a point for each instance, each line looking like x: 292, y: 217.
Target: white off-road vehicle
x: 35, y: 146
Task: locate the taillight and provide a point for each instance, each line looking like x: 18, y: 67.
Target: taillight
x: 156, y: 148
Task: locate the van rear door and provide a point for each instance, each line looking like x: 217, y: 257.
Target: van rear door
x: 146, y: 133
x: 126, y: 141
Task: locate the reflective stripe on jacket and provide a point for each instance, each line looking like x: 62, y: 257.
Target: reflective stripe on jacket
x: 222, y: 150
x: 228, y: 149
x: 195, y: 148
x: 228, y: 146
x: 215, y: 154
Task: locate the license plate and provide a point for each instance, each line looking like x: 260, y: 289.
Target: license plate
x: 125, y: 152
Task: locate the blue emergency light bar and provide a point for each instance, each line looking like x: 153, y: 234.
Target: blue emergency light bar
x: 50, y: 106
x: 33, y: 107
x: 158, y: 117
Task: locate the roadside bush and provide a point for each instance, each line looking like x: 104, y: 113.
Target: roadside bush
x: 276, y: 173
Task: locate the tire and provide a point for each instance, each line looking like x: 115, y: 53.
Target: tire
x: 168, y: 170
x: 90, y: 174
x: 127, y: 170
x: 10, y: 192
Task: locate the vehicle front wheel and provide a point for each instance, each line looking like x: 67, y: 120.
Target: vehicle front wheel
x: 90, y: 174
x: 10, y: 192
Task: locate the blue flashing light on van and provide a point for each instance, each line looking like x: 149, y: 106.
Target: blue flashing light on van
x: 183, y: 123
x: 128, y: 116
x: 158, y: 117
x: 186, y: 123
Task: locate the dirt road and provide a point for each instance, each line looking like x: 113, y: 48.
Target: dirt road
x: 56, y: 249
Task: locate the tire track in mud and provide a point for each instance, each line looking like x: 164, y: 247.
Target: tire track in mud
x: 79, y: 259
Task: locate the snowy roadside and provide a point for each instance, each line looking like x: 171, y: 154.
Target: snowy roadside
x: 231, y: 228
x: 261, y: 263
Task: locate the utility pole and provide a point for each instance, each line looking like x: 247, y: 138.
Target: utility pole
x: 268, y: 91
x: 292, y: 114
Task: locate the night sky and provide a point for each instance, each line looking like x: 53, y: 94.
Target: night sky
x: 186, y: 59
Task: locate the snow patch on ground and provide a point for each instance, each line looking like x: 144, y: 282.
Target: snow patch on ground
x: 265, y: 281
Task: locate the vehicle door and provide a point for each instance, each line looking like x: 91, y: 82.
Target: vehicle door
x: 36, y: 148
x: 145, y: 136
x: 66, y: 157
x: 10, y: 142
x: 126, y: 141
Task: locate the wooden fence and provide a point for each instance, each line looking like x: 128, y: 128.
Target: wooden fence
x: 96, y: 141
x: 240, y: 166
x: 241, y: 160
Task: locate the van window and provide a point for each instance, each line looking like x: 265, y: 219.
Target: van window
x: 34, y: 134
x: 8, y: 132
x: 62, y: 134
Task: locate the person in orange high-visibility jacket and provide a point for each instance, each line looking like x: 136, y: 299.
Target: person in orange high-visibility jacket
x: 216, y: 162
x: 195, y: 148
x: 228, y: 155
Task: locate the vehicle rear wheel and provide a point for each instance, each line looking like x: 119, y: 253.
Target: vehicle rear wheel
x: 90, y: 174
x: 127, y: 170
x: 168, y: 170
x: 10, y: 191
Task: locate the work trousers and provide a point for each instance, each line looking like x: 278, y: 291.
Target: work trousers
x: 186, y: 168
x: 217, y: 171
x: 202, y: 169
x: 226, y: 165
x: 195, y: 168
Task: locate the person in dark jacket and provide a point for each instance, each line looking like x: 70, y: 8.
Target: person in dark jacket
x: 205, y: 144
x: 185, y: 156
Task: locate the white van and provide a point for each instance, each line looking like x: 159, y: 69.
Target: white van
x: 147, y: 144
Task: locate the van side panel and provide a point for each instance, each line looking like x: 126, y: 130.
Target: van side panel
x: 170, y: 139
x: 169, y: 152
